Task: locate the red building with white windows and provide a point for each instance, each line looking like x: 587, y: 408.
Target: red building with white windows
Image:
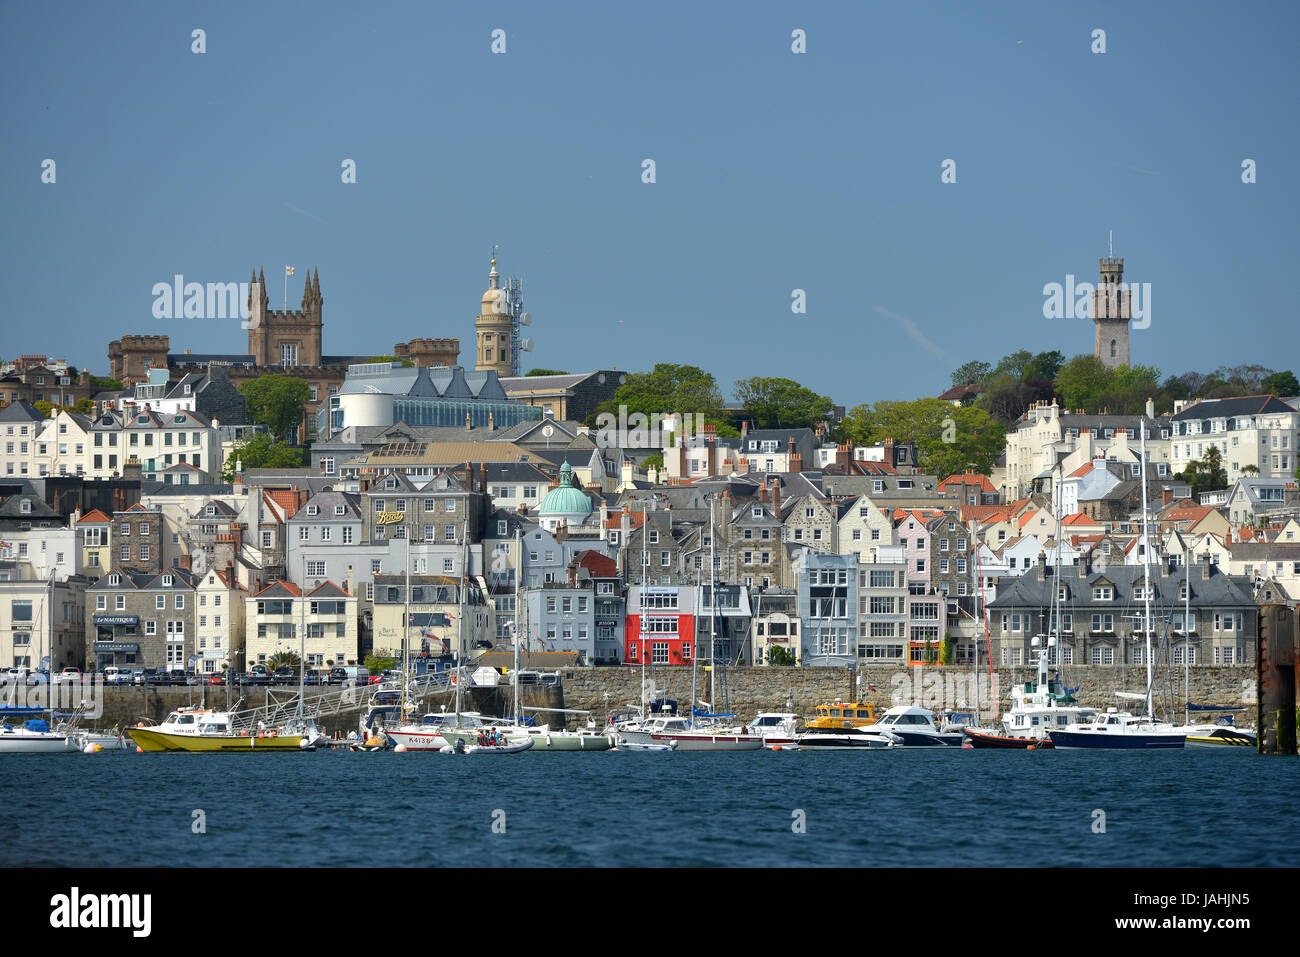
x: 669, y: 625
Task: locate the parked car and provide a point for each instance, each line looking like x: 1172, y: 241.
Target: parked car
x: 285, y: 675
x: 143, y: 676
x: 257, y: 675
x: 117, y: 676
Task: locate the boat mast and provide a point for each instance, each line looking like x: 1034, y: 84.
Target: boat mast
x: 1187, y: 637
x: 516, y: 631
x: 645, y: 531
x: 979, y: 605
x: 1146, y: 565
x: 460, y: 618
x: 713, y: 616
x: 1055, y: 628
x: 302, y: 641
x: 406, y: 623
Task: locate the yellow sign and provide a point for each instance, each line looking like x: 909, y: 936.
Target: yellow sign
x: 390, y: 518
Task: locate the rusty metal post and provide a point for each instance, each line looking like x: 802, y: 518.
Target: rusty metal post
x: 1275, y: 672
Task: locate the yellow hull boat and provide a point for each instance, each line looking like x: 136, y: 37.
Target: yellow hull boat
x: 152, y: 740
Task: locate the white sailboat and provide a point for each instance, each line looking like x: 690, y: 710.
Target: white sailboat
x: 1119, y: 729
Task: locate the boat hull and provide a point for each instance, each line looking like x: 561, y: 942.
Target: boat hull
x: 1145, y: 741
x: 986, y: 739
x: 842, y: 742
x: 567, y: 741
x: 418, y: 740
x: 1223, y: 739
x: 19, y: 743
x: 702, y: 742
x: 916, y: 739
x: 151, y: 740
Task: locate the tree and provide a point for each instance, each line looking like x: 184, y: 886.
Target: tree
x: 973, y: 371
x: 1086, y: 383
x: 1015, y: 364
x: 781, y: 657
x: 545, y: 372
x: 1281, y: 383
x: 84, y: 406
x: 376, y: 664
x: 404, y: 363
x: 1043, y: 367
x: 948, y: 439
x: 283, y: 659
x: 262, y: 451
x: 44, y: 408
x: 1207, y: 474
x: 277, y: 401
x: 105, y: 384
x: 670, y: 388
x: 781, y: 403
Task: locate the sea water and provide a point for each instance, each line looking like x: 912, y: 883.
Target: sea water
x: 909, y: 808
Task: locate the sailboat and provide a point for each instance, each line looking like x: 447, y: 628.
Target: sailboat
x: 686, y: 734
x: 478, y: 739
x: 1119, y: 729
x: 1039, y: 706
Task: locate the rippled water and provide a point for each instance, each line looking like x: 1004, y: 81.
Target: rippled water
x: 897, y: 808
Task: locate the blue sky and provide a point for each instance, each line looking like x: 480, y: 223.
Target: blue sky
x: 775, y: 172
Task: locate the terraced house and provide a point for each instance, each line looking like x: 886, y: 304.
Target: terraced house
x: 320, y: 624
x: 1102, y: 613
x: 158, y: 442
x: 141, y: 619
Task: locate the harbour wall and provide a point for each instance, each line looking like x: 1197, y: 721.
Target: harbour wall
x: 800, y: 690
x: 748, y: 690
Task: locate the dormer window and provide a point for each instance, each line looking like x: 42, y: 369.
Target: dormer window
x: 1103, y: 593
x: 340, y: 510
x: 115, y: 579
x: 167, y: 581
x: 313, y: 510
x: 25, y: 506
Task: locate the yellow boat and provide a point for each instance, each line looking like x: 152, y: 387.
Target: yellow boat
x: 197, y: 729
x: 842, y: 715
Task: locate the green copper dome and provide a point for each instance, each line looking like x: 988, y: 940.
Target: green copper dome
x: 566, y: 499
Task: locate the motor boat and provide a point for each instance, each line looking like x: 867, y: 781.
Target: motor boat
x: 915, y: 728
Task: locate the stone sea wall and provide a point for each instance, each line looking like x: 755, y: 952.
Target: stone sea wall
x: 749, y: 691
x: 800, y: 690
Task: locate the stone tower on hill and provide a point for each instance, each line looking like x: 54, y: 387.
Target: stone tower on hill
x: 1111, y: 315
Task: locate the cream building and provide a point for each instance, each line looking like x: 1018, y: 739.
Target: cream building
x: 1251, y: 432
x: 1045, y: 435
x: 321, y: 624
x: 219, y: 623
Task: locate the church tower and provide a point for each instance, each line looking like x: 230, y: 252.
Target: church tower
x: 492, y: 328
x: 290, y: 339
x: 1111, y: 315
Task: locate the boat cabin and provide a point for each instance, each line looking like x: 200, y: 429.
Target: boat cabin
x: 842, y: 715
